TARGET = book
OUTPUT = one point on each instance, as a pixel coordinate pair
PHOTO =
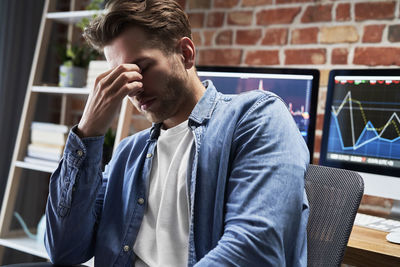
(53, 153)
(52, 127)
(96, 67)
(48, 133)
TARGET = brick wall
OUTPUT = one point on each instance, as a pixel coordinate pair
(322, 34)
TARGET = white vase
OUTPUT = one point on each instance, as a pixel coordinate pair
(71, 76)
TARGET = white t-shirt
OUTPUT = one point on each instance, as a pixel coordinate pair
(163, 237)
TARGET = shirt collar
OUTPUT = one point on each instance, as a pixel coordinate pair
(205, 107)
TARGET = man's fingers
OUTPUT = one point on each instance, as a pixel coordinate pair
(116, 72)
(102, 76)
(131, 89)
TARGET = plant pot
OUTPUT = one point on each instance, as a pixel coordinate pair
(71, 76)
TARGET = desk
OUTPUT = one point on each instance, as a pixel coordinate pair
(368, 247)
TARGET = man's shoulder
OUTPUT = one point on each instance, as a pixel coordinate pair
(255, 95)
(244, 101)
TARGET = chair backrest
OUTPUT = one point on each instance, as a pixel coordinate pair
(334, 196)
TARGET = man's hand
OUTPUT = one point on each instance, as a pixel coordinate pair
(103, 102)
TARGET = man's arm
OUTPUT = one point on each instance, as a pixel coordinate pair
(76, 194)
(266, 207)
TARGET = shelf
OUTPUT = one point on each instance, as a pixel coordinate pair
(36, 167)
(72, 16)
(30, 246)
(26, 245)
(61, 90)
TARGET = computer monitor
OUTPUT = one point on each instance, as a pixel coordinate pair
(362, 127)
(297, 87)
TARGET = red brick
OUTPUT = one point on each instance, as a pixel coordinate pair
(374, 56)
(277, 16)
(317, 13)
(197, 38)
(224, 38)
(182, 3)
(208, 37)
(339, 56)
(262, 57)
(199, 4)
(394, 33)
(277, 36)
(319, 125)
(248, 37)
(373, 33)
(305, 36)
(225, 3)
(243, 18)
(292, 1)
(374, 10)
(230, 57)
(256, 2)
(343, 12)
(215, 19)
(196, 20)
(305, 56)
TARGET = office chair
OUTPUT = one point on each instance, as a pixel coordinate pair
(334, 196)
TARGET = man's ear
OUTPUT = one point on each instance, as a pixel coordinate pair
(187, 51)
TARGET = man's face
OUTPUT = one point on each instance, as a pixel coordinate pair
(164, 76)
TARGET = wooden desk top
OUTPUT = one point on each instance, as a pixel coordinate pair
(369, 247)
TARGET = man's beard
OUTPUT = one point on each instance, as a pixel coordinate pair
(171, 97)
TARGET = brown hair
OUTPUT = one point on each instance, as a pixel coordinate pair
(164, 21)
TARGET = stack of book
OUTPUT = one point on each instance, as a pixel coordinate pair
(47, 144)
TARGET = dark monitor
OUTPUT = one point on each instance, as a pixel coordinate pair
(297, 87)
(362, 127)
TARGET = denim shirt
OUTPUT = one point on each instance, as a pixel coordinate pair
(247, 201)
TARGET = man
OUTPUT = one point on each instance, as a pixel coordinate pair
(217, 181)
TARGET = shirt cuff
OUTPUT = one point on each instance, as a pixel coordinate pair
(88, 149)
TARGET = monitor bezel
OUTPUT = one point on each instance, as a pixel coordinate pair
(294, 71)
(374, 169)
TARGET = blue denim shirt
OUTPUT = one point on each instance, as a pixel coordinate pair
(245, 181)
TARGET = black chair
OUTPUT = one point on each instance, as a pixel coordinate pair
(334, 196)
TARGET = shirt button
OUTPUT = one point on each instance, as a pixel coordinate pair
(79, 153)
(126, 248)
(149, 155)
(140, 201)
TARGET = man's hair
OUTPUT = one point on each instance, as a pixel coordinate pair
(164, 22)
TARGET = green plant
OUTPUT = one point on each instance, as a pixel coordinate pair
(94, 5)
(108, 145)
(77, 55)
(80, 55)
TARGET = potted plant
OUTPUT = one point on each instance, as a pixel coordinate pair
(75, 60)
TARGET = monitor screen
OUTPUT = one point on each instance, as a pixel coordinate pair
(297, 87)
(362, 125)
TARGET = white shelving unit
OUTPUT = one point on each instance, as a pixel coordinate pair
(13, 238)
(31, 246)
(71, 17)
(60, 90)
